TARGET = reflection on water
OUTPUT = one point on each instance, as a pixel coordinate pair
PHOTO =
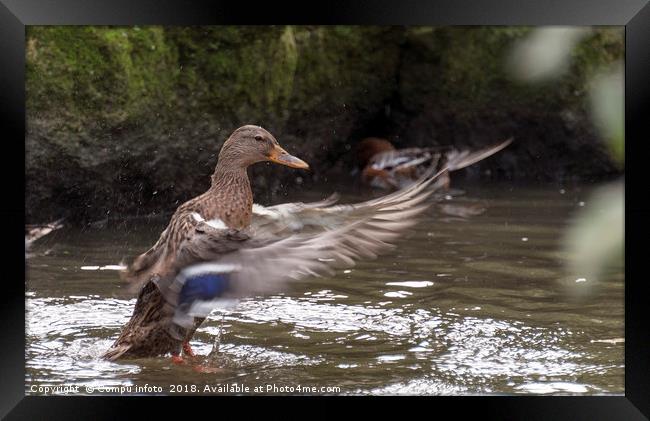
(476, 301)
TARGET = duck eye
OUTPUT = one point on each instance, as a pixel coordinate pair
(258, 137)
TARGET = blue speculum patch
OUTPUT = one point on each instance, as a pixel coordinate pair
(204, 287)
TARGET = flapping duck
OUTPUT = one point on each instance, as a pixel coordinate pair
(383, 166)
(220, 246)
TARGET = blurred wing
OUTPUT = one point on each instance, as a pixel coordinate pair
(211, 240)
(207, 241)
(34, 232)
(264, 264)
(403, 158)
(457, 160)
(186, 240)
(291, 218)
(339, 236)
(267, 269)
(302, 218)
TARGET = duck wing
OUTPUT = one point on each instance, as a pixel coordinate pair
(266, 260)
(454, 159)
(34, 232)
(401, 159)
(290, 218)
(459, 159)
(291, 242)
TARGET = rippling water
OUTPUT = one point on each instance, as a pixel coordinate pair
(471, 303)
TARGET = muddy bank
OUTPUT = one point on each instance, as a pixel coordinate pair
(129, 120)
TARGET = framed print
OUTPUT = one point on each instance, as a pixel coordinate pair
(416, 199)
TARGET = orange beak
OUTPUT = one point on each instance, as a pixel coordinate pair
(280, 156)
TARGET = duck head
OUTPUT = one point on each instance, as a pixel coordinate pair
(369, 147)
(250, 144)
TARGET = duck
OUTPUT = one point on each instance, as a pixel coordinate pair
(220, 246)
(385, 167)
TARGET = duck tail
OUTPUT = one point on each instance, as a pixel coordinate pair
(128, 274)
(140, 269)
(115, 352)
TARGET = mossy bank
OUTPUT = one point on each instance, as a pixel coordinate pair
(130, 120)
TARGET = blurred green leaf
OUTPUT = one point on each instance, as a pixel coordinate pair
(545, 53)
(596, 240)
(608, 108)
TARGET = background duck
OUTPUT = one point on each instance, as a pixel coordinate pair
(383, 166)
(220, 246)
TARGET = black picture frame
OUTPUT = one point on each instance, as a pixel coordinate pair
(633, 14)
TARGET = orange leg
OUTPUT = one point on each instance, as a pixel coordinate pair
(187, 349)
(177, 359)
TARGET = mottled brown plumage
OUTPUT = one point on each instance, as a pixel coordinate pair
(229, 200)
(221, 239)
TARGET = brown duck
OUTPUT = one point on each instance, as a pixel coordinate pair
(385, 167)
(221, 246)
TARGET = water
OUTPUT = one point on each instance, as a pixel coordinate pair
(471, 303)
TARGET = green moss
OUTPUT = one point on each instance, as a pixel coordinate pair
(240, 71)
(601, 48)
(118, 75)
(462, 67)
(355, 66)
(152, 104)
(84, 74)
(464, 70)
